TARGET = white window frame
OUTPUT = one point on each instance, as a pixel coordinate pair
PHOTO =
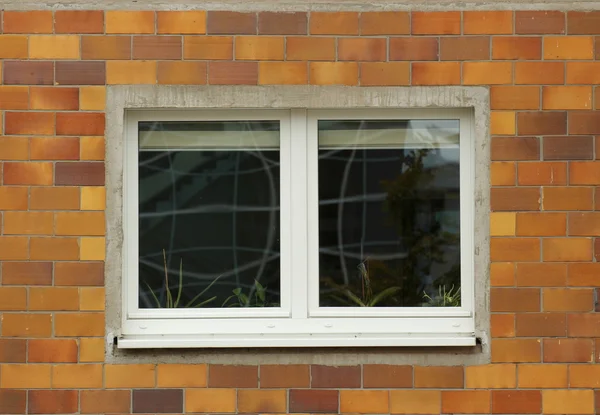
(298, 323)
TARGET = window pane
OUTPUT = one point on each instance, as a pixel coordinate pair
(389, 219)
(209, 214)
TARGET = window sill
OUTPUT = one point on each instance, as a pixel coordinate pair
(274, 340)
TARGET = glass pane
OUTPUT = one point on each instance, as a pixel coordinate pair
(209, 214)
(389, 219)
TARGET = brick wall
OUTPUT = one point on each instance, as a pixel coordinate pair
(541, 68)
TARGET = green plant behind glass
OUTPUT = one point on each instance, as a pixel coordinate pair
(444, 298)
(258, 299)
(175, 302)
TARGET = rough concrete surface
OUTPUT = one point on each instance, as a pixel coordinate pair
(300, 5)
(121, 98)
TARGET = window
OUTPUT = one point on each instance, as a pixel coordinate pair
(278, 228)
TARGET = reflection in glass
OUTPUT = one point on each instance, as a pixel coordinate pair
(389, 220)
(209, 214)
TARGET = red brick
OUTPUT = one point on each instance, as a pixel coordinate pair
(79, 274)
(79, 174)
(335, 376)
(12, 351)
(515, 199)
(28, 173)
(583, 325)
(444, 377)
(28, 73)
(568, 351)
(105, 47)
(80, 73)
(514, 300)
(517, 48)
(541, 325)
(516, 402)
(52, 351)
(539, 22)
(583, 23)
(362, 49)
(232, 376)
(225, 22)
(465, 48)
(13, 401)
(284, 376)
(436, 23)
(105, 401)
(314, 401)
(28, 21)
(387, 376)
(29, 123)
(515, 148)
(53, 401)
(384, 23)
(233, 73)
(274, 23)
(568, 148)
(414, 48)
(542, 123)
(157, 47)
(584, 122)
(79, 21)
(79, 123)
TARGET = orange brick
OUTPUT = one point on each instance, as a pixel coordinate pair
(491, 377)
(539, 73)
(514, 299)
(568, 47)
(105, 401)
(515, 97)
(14, 148)
(466, 402)
(80, 223)
(259, 48)
(541, 224)
(210, 400)
(93, 249)
(91, 349)
(333, 73)
(13, 298)
(362, 49)
(54, 148)
(378, 376)
(334, 23)
(363, 401)
(279, 73)
(583, 274)
(515, 249)
(580, 173)
(567, 198)
(541, 324)
(502, 274)
(542, 376)
(503, 174)
(581, 224)
(439, 377)
(459, 48)
(182, 73)
(511, 199)
(54, 47)
(487, 73)
(131, 72)
(567, 97)
(502, 325)
(488, 22)
(54, 98)
(92, 98)
(414, 48)
(436, 73)
(91, 299)
(384, 23)
(583, 72)
(181, 22)
(16, 376)
(28, 173)
(517, 47)
(516, 351)
(384, 73)
(79, 21)
(310, 48)
(106, 47)
(92, 148)
(28, 22)
(13, 248)
(13, 198)
(568, 351)
(53, 299)
(26, 325)
(14, 47)
(583, 325)
(13, 98)
(415, 402)
(93, 198)
(182, 376)
(29, 123)
(129, 21)
(54, 249)
(568, 299)
(542, 173)
(568, 402)
(584, 376)
(435, 23)
(503, 123)
(502, 223)
(54, 198)
(129, 376)
(78, 376)
(541, 274)
(83, 324)
(262, 401)
(52, 351)
(567, 249)
(208, 47)
(521, 402)
(28, 223)
(539, 22)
